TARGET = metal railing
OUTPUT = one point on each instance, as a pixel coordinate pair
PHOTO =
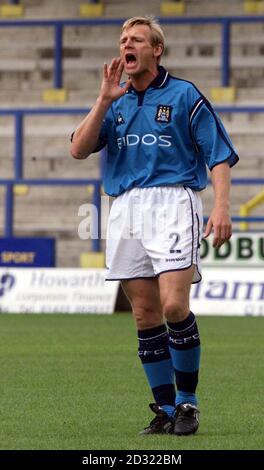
(20, 113)
(59, 26)
(9, 199)
(18, 178)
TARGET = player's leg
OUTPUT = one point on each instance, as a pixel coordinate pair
(174, 252)
(127, 260)
(153, 350)
(184, 344)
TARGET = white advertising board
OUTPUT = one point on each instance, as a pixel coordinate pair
(52, 290)
(243, 249)
(229, 291)
(223, 291)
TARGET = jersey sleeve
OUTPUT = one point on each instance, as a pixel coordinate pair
(210, 136)
(102, 139)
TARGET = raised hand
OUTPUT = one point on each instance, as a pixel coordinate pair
(110, 88)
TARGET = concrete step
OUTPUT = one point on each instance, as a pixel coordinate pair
(129, 9)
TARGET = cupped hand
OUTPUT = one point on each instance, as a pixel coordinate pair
(110, 88)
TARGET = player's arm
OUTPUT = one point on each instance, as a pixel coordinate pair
(85, 138)
(219, 219)
(219, 154)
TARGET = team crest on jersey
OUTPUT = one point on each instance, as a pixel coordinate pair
(120, 119)
(163, 113)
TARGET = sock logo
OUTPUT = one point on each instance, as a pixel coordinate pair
(156, 352)
(186, 340)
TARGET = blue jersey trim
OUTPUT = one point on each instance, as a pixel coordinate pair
(231, 160)
(198, 103)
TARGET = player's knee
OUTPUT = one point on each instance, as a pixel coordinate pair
(146, 317)
(175, 311)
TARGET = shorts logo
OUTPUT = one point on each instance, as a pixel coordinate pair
(163, 113)
(168, 260)
(120, 119)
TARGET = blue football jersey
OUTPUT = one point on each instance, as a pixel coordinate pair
(165, 135)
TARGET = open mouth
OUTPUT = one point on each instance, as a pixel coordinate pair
(130, 59)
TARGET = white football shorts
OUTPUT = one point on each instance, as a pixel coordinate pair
(153, 231)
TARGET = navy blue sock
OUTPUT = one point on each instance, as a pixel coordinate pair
(156, 360)
(184, 345)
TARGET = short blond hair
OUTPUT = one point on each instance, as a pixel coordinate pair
(156, 33)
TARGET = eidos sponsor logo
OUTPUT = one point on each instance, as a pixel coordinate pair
(130, 140)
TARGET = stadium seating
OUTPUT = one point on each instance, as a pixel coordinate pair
(193, 52)
(120, 8)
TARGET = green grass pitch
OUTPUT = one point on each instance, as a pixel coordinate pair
(75, 382)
